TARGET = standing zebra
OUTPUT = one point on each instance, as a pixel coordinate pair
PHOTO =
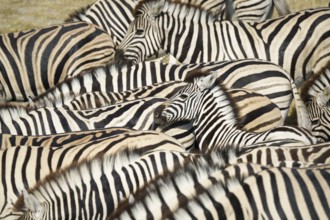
(256, 75)
(316, 95)
(35, 60)
(206, 103)
(298, 42)
(114, 16)
(23, 166)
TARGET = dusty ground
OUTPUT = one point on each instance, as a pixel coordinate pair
(18, 15)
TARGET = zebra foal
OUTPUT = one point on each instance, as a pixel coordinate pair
(206, 103)
(316, 94)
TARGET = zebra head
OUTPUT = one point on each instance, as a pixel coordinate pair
(187, 103)
(319, 114)
(32, 208)
(143, 38)
(316, 95)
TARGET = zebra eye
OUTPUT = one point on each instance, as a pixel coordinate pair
(183, 96)
(315, 122)
(139, 32)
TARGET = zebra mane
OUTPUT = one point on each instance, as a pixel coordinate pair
(172, 5)
(76, 170)
(232, 112)
(70, 88)
(78, 14)
(316, 83)
(9, 111)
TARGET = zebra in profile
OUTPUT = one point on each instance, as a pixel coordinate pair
(274, 193)
(316, 95)
(35, 60)
(298, 42)
(59, 140)
(108, 180)
(206, 103)
(23, 166)
(114, 16)
(260, 76)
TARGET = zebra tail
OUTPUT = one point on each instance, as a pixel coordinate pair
(301, 109)
(282, 7)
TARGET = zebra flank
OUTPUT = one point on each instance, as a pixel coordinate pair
(35, 60)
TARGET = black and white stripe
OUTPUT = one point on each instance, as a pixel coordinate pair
(94, 188)
(35, 60)
(298, 42)
(136, 114)
(259, 76)
(23, 166)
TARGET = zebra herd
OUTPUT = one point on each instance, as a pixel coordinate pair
(94, 125)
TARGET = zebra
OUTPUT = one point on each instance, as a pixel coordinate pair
(260, 76)
(206, 103)
(274, 193)
(298, 42)
(35, 60)
(56, 140)
(114, 16)
(113, 178)
(315, 94)
(137, 114)
(23, 166)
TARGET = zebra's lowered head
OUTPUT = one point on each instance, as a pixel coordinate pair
(316, 95)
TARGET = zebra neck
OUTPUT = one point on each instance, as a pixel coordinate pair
(216, 122)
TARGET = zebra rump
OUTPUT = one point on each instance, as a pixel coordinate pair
(35, 60)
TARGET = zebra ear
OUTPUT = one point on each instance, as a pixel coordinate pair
(156, 8)
(324, 97)
(31, 203)
(206, 82)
